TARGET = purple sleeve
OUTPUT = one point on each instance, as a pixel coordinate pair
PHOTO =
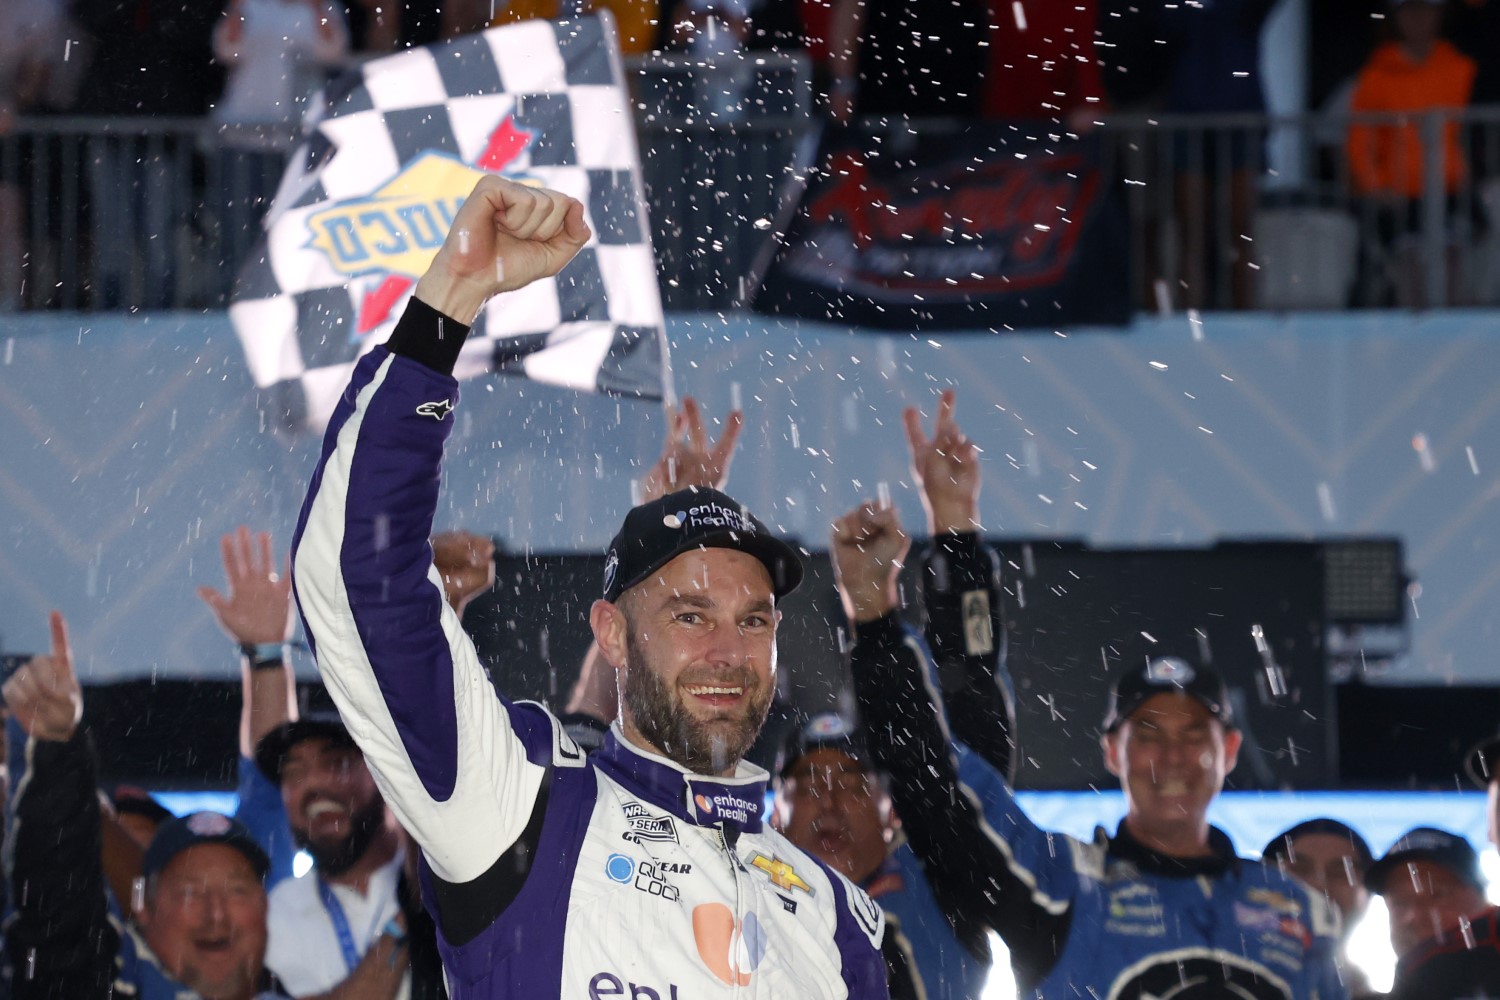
(860, 927)
(446, 751)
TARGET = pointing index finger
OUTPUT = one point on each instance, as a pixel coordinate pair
(914, 435)
(60, 647)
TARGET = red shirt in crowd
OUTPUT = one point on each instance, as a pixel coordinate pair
(1041, 62)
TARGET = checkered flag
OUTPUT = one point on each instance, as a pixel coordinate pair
(369, 197)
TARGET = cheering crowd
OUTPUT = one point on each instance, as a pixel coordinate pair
(467, 845)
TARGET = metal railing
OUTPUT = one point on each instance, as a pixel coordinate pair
(1251, 211)
(1226, 212)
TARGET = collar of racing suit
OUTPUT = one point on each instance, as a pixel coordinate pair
(1221, 858)
(701, 800)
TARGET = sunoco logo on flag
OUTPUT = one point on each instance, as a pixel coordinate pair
(368, 201)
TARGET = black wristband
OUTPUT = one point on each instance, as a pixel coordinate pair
(428, 337)
(263, 656)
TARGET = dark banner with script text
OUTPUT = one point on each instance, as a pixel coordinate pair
(953, 228)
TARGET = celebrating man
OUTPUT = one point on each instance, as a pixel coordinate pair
(643, 870)
(1162, 908)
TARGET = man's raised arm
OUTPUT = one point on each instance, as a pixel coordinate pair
(961, 592)
(461, 768)
(987, 863)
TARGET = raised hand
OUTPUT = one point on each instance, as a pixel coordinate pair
(946, 466)
(506, 235)
(466, 562)
(259, 606)
(868, 549)
(44, 695)
(687, 457)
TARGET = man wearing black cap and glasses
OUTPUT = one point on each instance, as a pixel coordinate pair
(1162, 908)
(1445, 933)
(645, 869)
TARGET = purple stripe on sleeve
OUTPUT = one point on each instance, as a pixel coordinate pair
(862, 965)
(394, 479)
(364, 373)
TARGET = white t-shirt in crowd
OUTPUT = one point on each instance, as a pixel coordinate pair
(303, 948)
(280, 57)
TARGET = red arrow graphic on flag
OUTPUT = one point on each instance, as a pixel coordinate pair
(377, 305)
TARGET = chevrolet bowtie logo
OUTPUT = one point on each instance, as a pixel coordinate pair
(781, 874)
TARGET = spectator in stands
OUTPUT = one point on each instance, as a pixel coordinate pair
(1041, 63)
(1329, 857)
(151, 58)
(1215, 70)
(637, 22)
(380, 26)
(200, 928)
(29, 31)
(714, 33)
(893, 59)
(1417, 72)
(1446, 935)
(278, 53)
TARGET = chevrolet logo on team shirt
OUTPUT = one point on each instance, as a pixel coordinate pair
(781, 874)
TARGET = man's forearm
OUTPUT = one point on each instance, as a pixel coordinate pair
(981, 869)
(269, 699)
(960, 588)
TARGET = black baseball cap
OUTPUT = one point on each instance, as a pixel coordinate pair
(1164, 674)
(202, 828)
(1426, 843)
(270, 753)
(1481, 759)
(1281, 844)
(824, 731)
(657, 532)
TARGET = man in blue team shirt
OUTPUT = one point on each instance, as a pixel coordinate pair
(1162, 907)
